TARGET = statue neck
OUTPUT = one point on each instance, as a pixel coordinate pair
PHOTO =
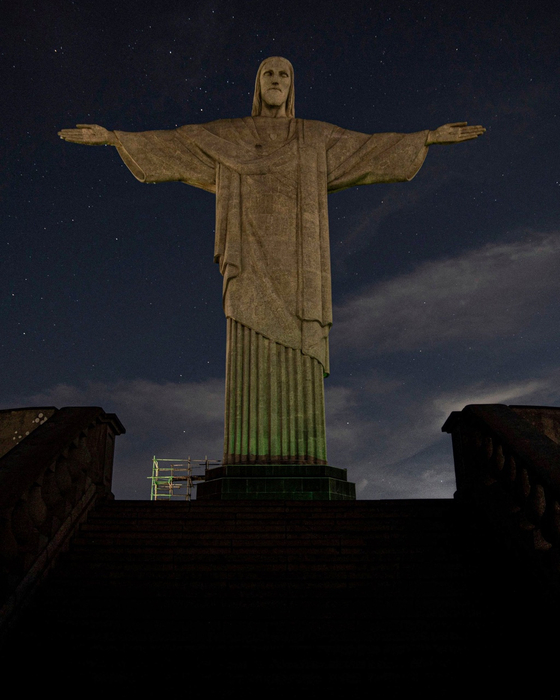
(273, 110)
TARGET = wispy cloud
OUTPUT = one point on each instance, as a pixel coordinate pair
(532, 391)
(384, 415)
(393, 446)
(364, 225)
(174, 420)
(386, 433)
(479, 295)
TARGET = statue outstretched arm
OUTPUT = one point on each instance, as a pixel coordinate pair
(153, 156)
(89, 135)
(454, 133)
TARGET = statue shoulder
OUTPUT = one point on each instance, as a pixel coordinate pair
(320, 132)
(216, 125)
(228, 129)
(319, 127)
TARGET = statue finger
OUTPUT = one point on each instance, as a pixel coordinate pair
(457, 124)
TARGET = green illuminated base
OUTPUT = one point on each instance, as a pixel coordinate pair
(287, 482)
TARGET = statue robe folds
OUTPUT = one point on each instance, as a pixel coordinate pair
(272, 246)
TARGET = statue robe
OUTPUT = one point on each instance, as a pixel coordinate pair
(271, 178)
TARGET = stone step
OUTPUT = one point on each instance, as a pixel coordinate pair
(301, 590)
(214, 564)
(317, 547)
(194, 521)
(237, 584)
(286, 509)
(243, 632)
(197, 664)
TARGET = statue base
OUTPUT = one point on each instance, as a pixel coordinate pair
(281, 482)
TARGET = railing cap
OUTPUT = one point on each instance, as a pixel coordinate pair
(23, 464)
(519, 434)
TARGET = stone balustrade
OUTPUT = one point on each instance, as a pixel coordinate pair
(53, 475)
(507, 464)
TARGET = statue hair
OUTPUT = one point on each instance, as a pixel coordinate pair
(257, 99)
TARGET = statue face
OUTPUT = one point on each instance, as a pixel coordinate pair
(275, 82)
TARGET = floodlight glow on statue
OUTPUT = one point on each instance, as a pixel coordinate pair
(271, 174)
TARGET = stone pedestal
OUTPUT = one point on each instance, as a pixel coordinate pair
(286, 482)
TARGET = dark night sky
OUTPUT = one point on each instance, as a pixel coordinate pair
(445, 288)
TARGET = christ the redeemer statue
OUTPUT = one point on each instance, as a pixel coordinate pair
(271, 174)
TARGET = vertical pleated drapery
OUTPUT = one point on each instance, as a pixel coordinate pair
(275, 411)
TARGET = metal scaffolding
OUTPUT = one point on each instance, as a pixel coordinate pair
(175, 480)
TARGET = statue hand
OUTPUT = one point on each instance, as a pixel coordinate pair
(89, 135)
(454, 133)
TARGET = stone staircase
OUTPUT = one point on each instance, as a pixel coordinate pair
(392, 595)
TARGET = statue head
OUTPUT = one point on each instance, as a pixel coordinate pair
(282, 65)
